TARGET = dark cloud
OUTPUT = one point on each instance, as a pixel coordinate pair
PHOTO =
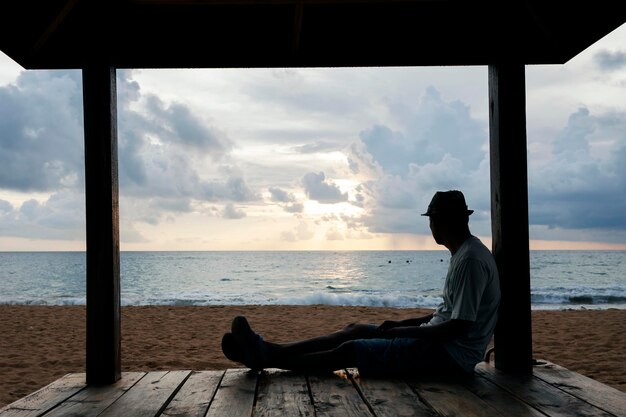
(575, 192)
(41, 146)
(584, 184)
(610, 61)
(177, 124)
(290, 205)
(318, 188)
(280, 195)
(573, 138)
(160, 146)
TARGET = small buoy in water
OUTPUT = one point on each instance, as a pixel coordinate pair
(388, 262)
(440, 260)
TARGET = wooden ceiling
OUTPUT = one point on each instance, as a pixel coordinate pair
(55, 34)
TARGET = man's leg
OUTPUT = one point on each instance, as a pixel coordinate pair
(327, 352)
(343, 356)
(325, 342)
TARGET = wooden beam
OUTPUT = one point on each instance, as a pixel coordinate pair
(54, 25)
(102, 215)
(509, 214)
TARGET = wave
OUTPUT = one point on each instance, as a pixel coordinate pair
(541, 297)
(612, 296)
(362, 300)
(339, 299)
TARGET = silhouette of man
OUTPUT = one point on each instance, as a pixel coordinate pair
(452, 339)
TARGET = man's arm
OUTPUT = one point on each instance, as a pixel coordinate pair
(447, 330)
(390, 324)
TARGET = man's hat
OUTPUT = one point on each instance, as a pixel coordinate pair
(448, 203)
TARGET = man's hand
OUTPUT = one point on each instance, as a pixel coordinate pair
(388, 324)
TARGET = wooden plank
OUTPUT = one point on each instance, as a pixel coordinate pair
(500, 399)
(335, 395)
(193, 398)
(235, 395)
(46, 398)
(585, 388)
(103, 364)
(539, 394)
(149, 396)
(282, 393)
(390, 397)
(94, 399)
(509, 214)
(452, 399)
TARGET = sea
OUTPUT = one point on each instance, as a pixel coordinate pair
(403, 279)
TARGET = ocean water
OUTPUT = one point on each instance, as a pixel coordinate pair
(559, 279)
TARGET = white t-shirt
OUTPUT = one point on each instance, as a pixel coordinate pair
(471, 292)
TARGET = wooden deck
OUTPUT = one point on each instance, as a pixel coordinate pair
(551, 391)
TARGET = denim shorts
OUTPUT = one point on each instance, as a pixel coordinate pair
(403, 357)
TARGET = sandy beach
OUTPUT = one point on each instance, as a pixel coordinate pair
(41, 344)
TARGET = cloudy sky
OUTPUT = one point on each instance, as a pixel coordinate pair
(313, 158)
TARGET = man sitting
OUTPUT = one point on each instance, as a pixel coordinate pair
(452, 339)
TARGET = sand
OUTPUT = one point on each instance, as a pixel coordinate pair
(41, 344)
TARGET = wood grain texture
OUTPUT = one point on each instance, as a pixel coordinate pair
(149, 396)
(282, 393)
(235, 395)
(93, 400)
(587, 389)
(336, 396)
(540, 395)
(46, 398)
(193, 398)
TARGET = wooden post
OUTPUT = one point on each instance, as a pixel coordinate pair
(509, 215)
(102, 214)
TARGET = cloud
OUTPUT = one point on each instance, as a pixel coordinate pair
(281, 196)
(318, 188)
(160, 146)
(583, 185)
(231, 213)
(163, 149)
(316, 147)
(431, 128)
(437, 145)
(5, 206)
(61, 216)
(294, 208)
(177, 124)
(610, 61)
(301, 232)
(290, 205)
(41, 147)
(300, 92)
(334, 234)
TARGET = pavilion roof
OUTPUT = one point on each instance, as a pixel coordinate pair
(55, 34)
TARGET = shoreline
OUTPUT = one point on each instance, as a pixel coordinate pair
(43, 343)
